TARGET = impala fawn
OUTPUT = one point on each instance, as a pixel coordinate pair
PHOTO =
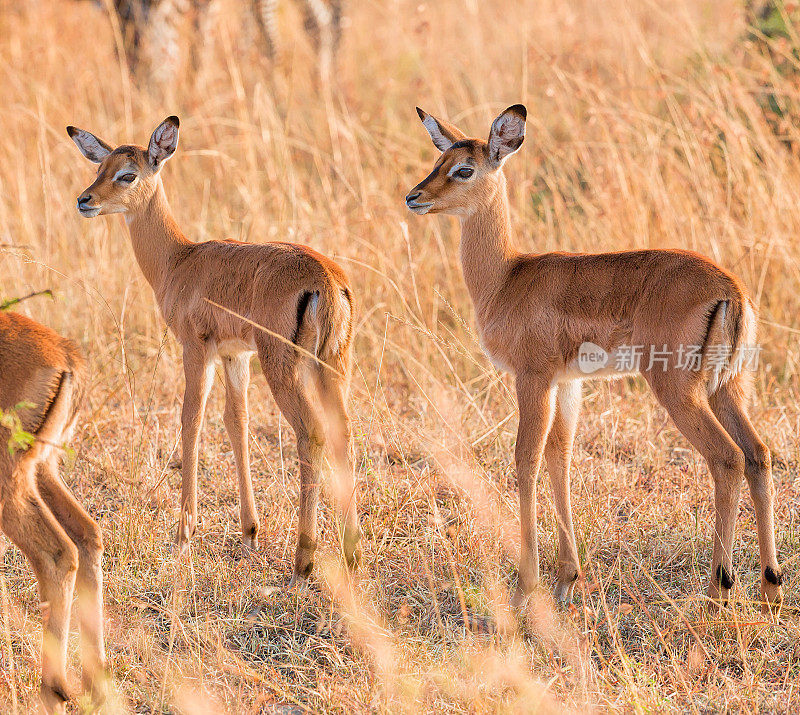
(537, 313)
(212, 295)
(42, 380)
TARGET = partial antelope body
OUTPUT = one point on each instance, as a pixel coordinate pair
(301, 297)
(155, 27)
(536, 313)
(37, 511)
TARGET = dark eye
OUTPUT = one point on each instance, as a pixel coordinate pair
(464, 172)
(127, 178)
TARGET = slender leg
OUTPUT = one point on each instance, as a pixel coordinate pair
(28, 522)
(535, 417)
(281, 370)
(85, 534)
(264, 11)
(237, 378)
(131, 21)
(199, 372)
(333, 393)
(729, 405)
(558, 454)
(337, 11)
(319, 26)
(163, 46)
(204, 16)
(692, 414)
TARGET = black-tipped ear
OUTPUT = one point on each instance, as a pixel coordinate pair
(518, 109)
(163, 142)
(91, 147)
(507, 134)
(443, 134)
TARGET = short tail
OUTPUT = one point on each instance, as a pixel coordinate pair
(731, 333)
(334, 313)
(53, 423)
(58, 413)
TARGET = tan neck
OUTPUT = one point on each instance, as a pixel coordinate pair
(486, 249)
(155, 236)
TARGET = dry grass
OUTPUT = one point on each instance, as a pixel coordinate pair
(645, 130)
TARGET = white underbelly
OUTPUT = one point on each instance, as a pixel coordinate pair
(233, 347)
(594, 362)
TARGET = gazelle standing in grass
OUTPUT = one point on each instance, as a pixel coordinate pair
(42, 381)
(302, 298)
(537, 313)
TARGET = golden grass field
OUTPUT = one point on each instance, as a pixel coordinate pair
(646, 128)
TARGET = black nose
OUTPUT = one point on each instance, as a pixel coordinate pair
(413, 196)
(84, 198)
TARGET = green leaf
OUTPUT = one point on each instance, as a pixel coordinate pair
(19, 438)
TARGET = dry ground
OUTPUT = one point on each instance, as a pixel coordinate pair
(646, 128)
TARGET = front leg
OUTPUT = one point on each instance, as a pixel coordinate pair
(535, 417)
(558, 455)
(237, 377)
(198, 368)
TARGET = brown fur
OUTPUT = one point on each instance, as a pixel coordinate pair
(37, 512)
(265, 284)
(535, 311)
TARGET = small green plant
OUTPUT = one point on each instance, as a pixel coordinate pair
(19, 438)
(773, 18)
(11, 302)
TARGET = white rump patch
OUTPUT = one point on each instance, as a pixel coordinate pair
(340, 334)
(737, 361)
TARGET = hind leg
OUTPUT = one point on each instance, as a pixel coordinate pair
(280, 365)
(333, 394)
(730, 406)
(28, 522)
(85, 534)
(688, 406)
(264, 11)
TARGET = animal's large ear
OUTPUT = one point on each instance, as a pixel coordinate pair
(507, 134)
(91, 147)
(444, 135)
(163, 143)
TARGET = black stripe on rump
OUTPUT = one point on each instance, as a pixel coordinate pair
(302, 305)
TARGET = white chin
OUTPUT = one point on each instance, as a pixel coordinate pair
(420, 210)
(89, 213)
